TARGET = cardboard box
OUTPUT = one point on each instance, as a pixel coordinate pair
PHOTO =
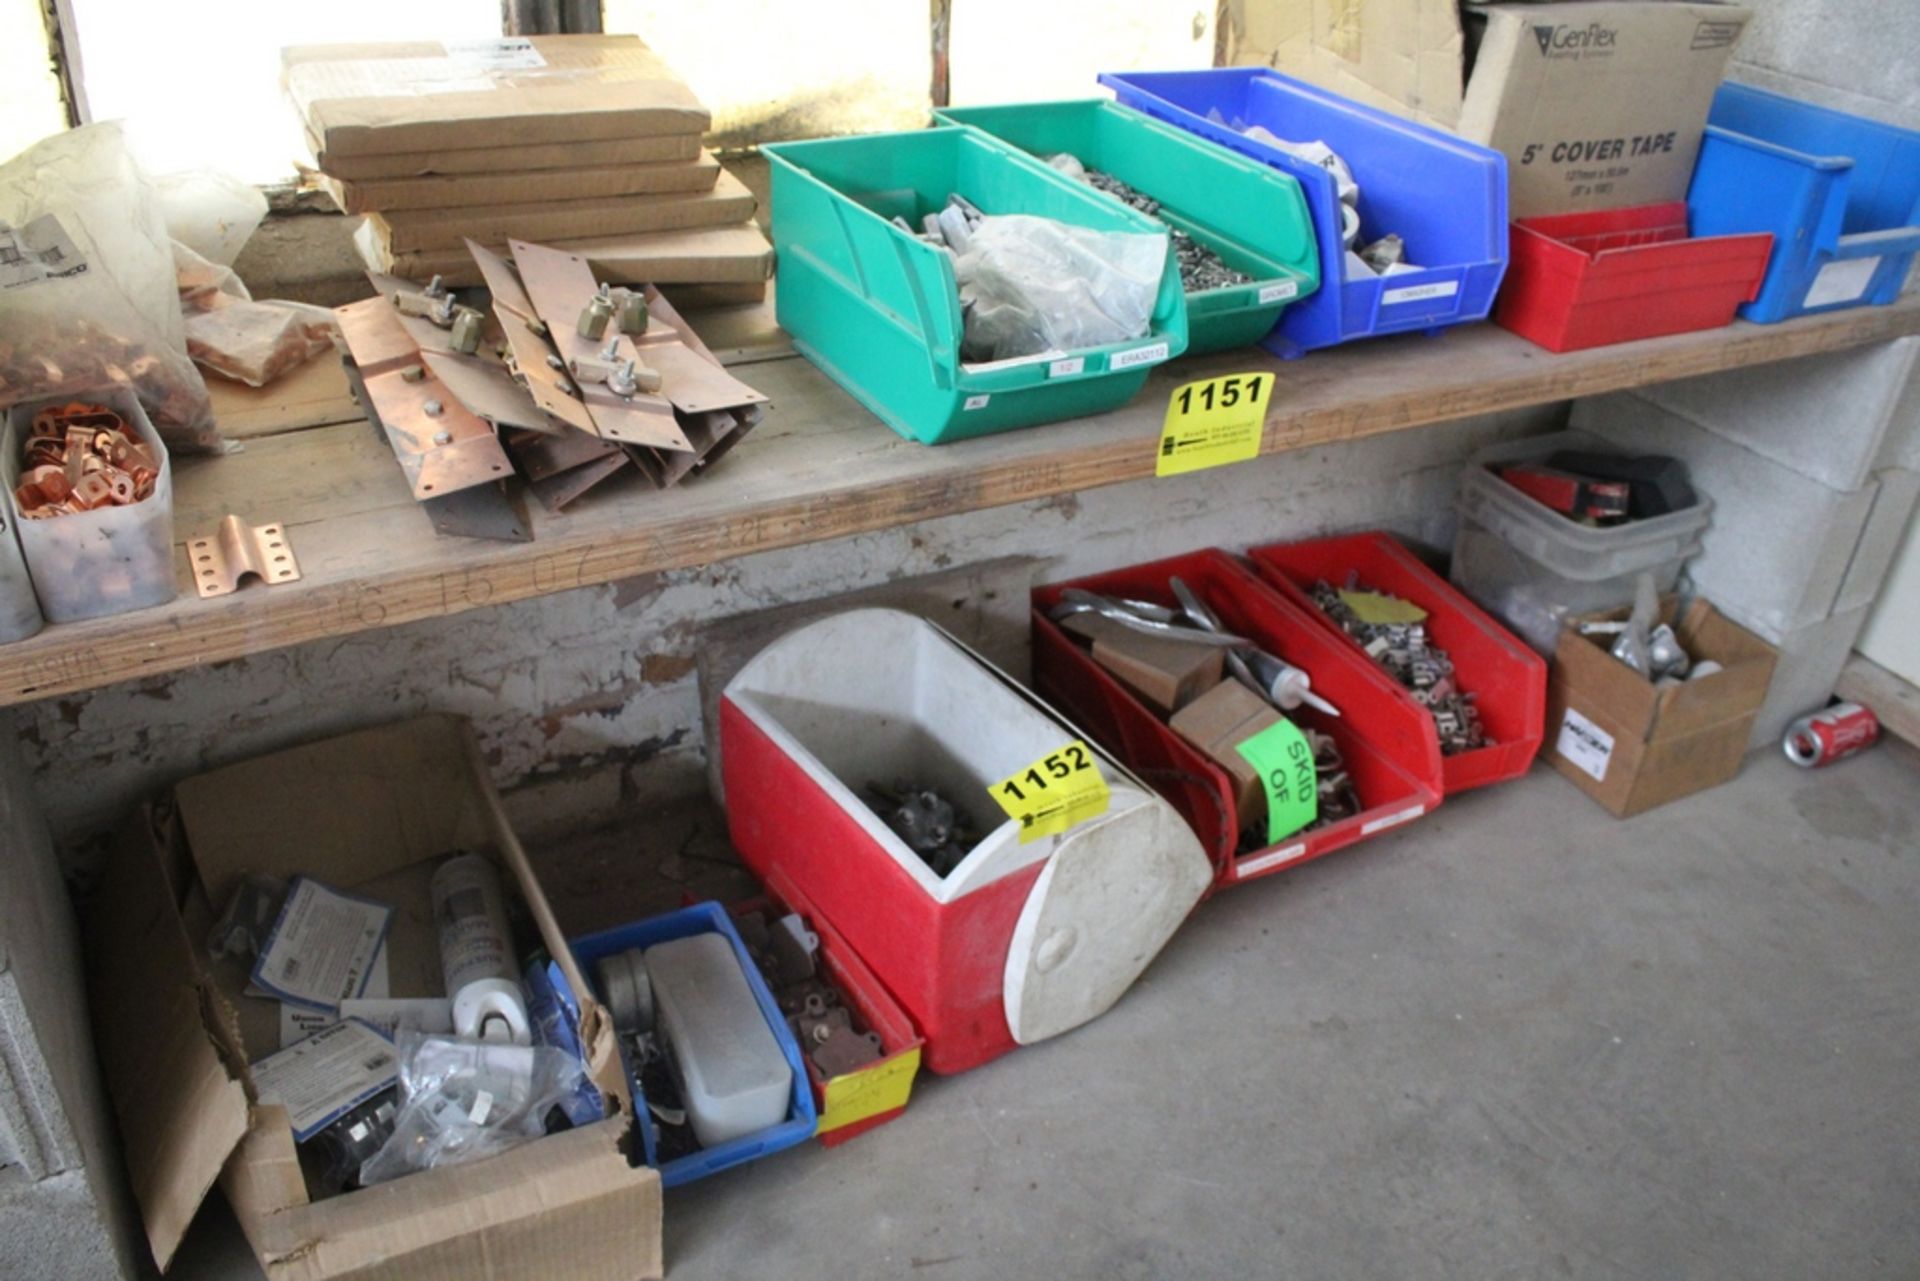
(709, 255)
(382, 99)
(1597, 105)
(1166, 674)
(1217, 721)
(535, 156)
(1397, 55)
(460, 191)
(1631, 745)
(408, 231)
(375, 810)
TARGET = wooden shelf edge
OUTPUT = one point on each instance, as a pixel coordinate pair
(1368, 389)
(1893, 700)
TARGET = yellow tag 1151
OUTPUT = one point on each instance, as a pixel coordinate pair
(1213, 422)
(1055, 792)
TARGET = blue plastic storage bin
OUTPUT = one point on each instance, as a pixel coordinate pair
(1446, 198)
(1840, 194)
(704, 918)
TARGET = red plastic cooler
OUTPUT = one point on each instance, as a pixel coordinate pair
(1022, 940)
(1384, 736)
(1508, 679)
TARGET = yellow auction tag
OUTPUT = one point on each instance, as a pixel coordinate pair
(881, 1087)
(1213, 422)
(1055, 792)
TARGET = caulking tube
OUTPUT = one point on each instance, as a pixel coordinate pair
(476, 952)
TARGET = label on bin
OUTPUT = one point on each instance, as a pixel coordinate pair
(1841, 281)
(1055, 792)
(1138, 356)
(1212, 423)
(1279, 293)
(1419, 293)
(880, 1087)
(1589, 747)
(1283, 758)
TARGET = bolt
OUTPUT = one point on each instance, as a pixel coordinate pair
(412, 374)
(433, 409)
(443, 438)
(555, 362)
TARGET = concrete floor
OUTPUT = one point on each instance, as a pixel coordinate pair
(1517, 1039)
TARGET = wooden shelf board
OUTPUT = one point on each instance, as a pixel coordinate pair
(820, 467)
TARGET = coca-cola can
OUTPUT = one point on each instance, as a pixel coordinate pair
(1829, 734)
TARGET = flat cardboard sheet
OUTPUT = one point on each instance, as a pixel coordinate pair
(707, 255)
(1597, 104)
(383, 99)
(401, 231)
(537, 156)
(459, 191)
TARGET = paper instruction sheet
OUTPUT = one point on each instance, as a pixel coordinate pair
(327, 1075)
(322, 946)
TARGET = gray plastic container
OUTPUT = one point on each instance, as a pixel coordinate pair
(1531, 567)
(733, 1077)
(106, 561)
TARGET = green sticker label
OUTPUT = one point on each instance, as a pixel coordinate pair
(1284, 759)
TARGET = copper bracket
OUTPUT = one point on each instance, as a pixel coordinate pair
(221, 559)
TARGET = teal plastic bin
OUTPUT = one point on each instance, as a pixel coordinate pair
(1252, 215)
(878, 310)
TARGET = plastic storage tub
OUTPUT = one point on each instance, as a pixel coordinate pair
(877, 309)
(1531, 567)
(107, 561)
(854, 1102)
(1589, 279)
(1385, 738)
(1841, 195)
(707, 918)
(1022, 940)
(1447, 198)
(1508, 680)
(1253, 216)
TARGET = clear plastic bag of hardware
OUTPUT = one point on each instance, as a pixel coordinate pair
(230, 334)
(1030, 285)
(87, 292)
(463, 1100)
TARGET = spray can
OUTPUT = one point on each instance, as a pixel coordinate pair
(476, 952)
(1828, 735)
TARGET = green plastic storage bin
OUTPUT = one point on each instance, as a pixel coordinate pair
(878, 310)
(1252, 215)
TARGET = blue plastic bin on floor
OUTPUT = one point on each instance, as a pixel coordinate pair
(1447, 199)
(706, 918)
(1840, 194)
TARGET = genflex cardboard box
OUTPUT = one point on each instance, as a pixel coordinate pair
(1597, 105)
(1632, 745)
(373, 812)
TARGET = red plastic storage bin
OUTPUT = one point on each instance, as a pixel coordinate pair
(850, 1105)
(1508, 679)
(1384, 736)
(1589, 279)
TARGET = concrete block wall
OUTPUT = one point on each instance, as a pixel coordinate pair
(587, 701)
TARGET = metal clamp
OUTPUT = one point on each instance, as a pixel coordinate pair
(226, 556)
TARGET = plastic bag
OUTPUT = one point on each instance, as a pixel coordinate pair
(1031, 285)
(238, 338)
(464, 1100)
(212, 213)
(87, 295)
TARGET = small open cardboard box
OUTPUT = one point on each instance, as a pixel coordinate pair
(373, 811)
(1632, 745)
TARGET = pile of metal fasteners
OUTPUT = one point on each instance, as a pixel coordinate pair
(1411, 658)
(78, 457)
(927, 822)
(830, 1034)
(1200, 267)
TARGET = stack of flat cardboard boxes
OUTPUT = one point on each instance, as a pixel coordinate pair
(586, 142)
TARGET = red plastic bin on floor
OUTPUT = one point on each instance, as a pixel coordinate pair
(1508, 679)
(1590, 279)
(1385, 737)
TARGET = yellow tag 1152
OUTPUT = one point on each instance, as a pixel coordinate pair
(1213, 422)
(1055, 792)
